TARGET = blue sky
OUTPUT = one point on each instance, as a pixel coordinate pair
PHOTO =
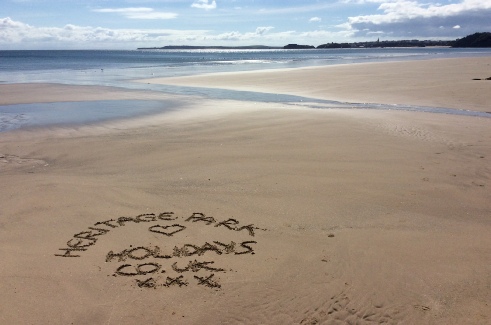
(127, 24)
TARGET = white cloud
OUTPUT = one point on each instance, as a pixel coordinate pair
(321, 36)
(230, 36)
(315, 20)
(398, 10)
(456, 27)
(285, 9)
(6, 23)
(14, 33)
(415, 18)
(138, 13)
(263, 30)
(204, 4)
(18, 35)
(259, 34)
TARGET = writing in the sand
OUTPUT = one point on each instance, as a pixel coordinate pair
(83, 240)
(146, 264)
(135, 266)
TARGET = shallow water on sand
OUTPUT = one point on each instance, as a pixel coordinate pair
(77, 113)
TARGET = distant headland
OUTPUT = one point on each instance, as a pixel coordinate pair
(191, 47)
(474, 40)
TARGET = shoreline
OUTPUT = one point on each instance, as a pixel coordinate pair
(447, 82)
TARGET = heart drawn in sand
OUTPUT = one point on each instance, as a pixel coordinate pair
(167, 230)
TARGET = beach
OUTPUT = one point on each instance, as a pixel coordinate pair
(445, 83)
(244, 212)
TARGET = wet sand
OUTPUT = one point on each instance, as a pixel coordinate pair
(445, 83)
(229, 212)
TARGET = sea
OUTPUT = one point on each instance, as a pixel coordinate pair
(118, 68)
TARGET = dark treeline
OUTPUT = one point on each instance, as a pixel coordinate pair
(474, 40)
(399, 43)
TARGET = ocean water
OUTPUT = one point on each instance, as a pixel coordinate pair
(84, 67)
(119, 68)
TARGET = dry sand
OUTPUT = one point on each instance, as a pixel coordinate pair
(353, 217)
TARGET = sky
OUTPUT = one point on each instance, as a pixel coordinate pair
(128, 24)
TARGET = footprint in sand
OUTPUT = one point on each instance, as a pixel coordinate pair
(13, 161)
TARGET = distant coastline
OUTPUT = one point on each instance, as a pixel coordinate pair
(376, 44)
(248, 47)
(190, 47)
(474, 40)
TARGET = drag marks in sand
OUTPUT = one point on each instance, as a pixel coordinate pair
(327, 302)
(340, 308)
(151, 266)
